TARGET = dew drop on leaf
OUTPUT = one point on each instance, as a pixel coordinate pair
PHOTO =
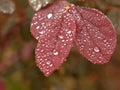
(96, 49)
(49, 15)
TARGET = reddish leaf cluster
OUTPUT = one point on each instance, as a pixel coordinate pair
(61, 24)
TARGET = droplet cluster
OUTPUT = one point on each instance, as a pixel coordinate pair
(56, 29)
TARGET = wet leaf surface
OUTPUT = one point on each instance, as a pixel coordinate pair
(55, 27)
(93, 37)
(21, 73)
(53, 37)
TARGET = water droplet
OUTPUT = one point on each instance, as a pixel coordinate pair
(92, 55)
(104, 40)
(99, 37)
(37, 37)
(32, 24)
(37, 27)
(43, 23)
(48, 62)
(90, 49)
(35, 23)
(65, 44)
(71, 39)
(47, 73)
(51, 65)
(42, 50)
(55, 53)
(82, 46)
(37, 49)
(67, 40)
(85, 40)
(101, 57)
(38, 56)
(96, 49)
(61, 37)
(49, 15)
(63, 40)
(41, 32)
(69, 32)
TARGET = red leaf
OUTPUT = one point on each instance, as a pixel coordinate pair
(55, 27)
(52, 50)
(95, 37)
(55, 36)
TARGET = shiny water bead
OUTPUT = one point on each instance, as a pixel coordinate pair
(96, 49)
(49, 15)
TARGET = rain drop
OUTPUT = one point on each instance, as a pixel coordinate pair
(104, 40)
(61, 37)
(55, 53)
(49, 15)
(84, 40)
(37, 37)
(41, 32)
(48, 62)
(43, 24)
(37, 49)
(96, 49)
(38, 56)
(47, 73)
(71, 39)
(63, 40)
(69, 32)
(41, 50)
(32, 24)
(37, 27)
(51, 65)
(35, 23)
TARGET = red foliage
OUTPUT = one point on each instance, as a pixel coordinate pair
(58, 25)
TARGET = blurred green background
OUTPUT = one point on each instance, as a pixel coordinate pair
(18, 70)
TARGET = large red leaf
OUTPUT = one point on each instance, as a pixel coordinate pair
(95, 36)
(52, 50)
(55, 31)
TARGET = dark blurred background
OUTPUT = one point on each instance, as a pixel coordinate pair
(18, 70)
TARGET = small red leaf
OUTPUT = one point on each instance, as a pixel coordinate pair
(95, 37)
(55, 31)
